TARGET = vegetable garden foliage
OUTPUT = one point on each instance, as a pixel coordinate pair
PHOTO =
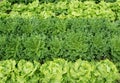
(64, 9)
(42, 30)
(32, 38)
(54, 1)
(57, 71)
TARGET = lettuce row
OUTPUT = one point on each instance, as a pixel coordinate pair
(63, 9)
(57, 71)
(53, 1)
